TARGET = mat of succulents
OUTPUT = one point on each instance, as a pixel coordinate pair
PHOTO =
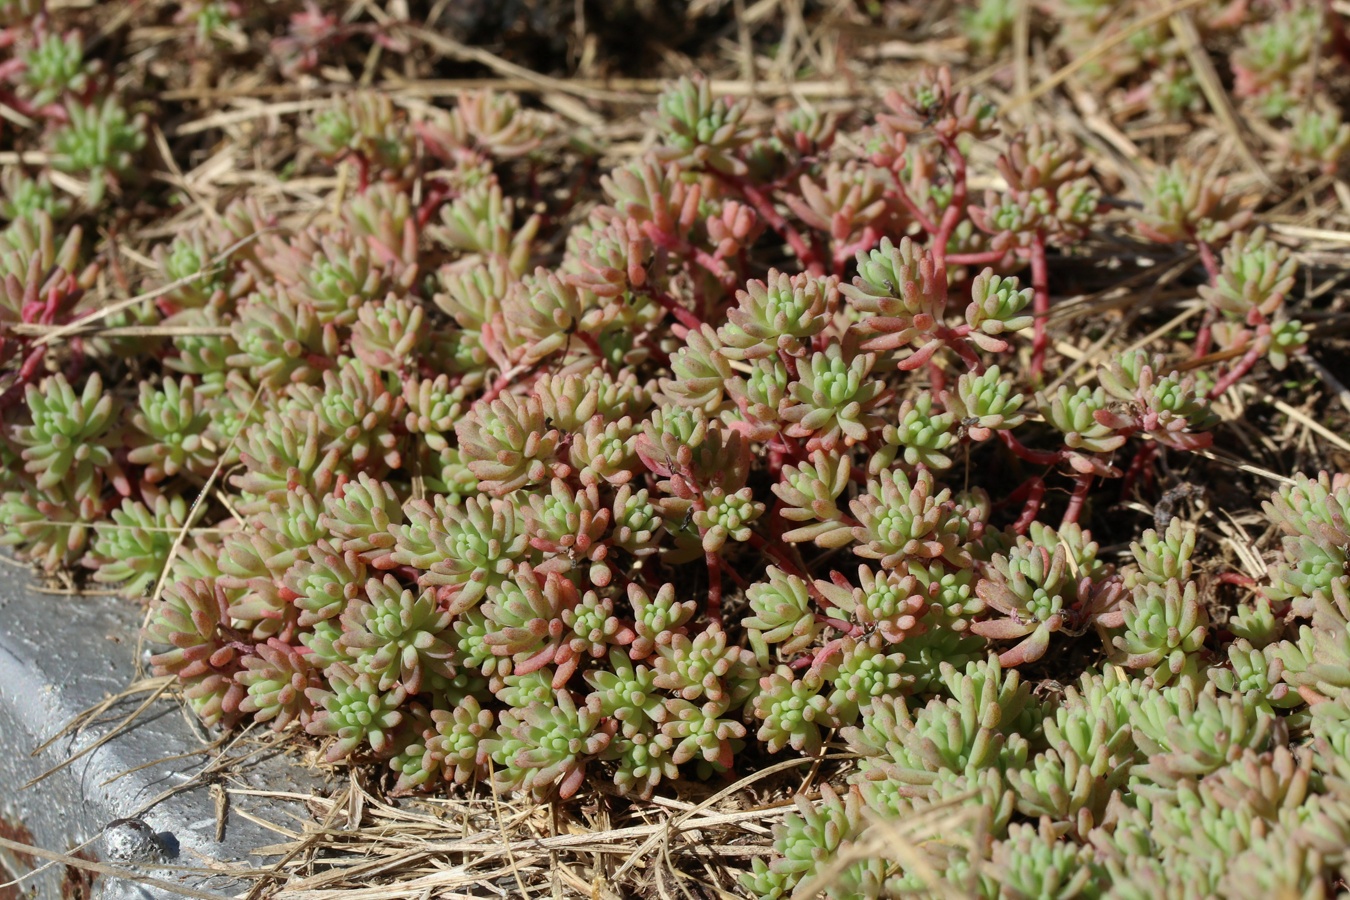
(900, 450)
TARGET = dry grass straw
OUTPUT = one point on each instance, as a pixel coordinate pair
(487, 844)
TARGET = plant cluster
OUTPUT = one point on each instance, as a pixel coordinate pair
(1147, 61)
(762, 450)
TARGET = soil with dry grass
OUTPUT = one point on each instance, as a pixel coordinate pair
(223, 125)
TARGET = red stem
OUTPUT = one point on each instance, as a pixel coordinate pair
(32, 362)
(951, 216)
(436, 195)
(714, 587)
(714, 266)
(647, 340)
(685, 317)
(842, 255)
(1211, 264)
(362, 172)
(1035, 494)
(502, 383)
(901, 194)
(988, 257)
(787, 565)
(1243, 366)
(848, 628)
(936, 377)
(1025, 453)
(1203, 337)
(784, 561)
(1077, 500)
(735, 576)
(955, 339)
(1137, 467)
(764, 206)
(594, 346)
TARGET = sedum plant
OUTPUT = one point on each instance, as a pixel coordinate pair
(767, 448)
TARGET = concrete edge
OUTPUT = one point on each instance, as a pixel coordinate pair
(60, 655)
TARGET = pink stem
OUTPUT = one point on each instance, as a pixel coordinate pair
(823, 655)
(843, 254)
(686, 318)
(955, 338)
(362, 172)
(502, 383)
(848, 628)
(986, 258)
(936, 377)
(713, 266)
(1035, 494)
(735, 576)
(1211, 264)
(1203, 337)
(764, 206)
(1077, 499)
(784, 561)
(1243, 366)
(901, 194)
(951, 216)
(787, 565)
(1137, 467)
(437, 195)
(1025, 453)
(29, 367)
(594, 346)
(714, 587)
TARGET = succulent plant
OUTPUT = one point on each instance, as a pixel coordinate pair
(53, 67)
(355, 711)
(188, 618)
(781, 313)
(362, 124)
(807, 841)
(782, 614)
(100, 143)
(699, 130)
(490, 122)
(553, 742)
(1185, 207)
(995, 308)
(1164, 625)
(68, 440)
(25, 197)
(277, 677)
(211, 20)
(395, 636)
(172, 425)
(900, 518)
(1271, 65)
(525, 475)
(793, 710)
(133, 549)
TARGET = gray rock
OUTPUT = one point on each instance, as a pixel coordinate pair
(132, 842)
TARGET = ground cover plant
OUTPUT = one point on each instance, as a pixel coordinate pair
(916, 438)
